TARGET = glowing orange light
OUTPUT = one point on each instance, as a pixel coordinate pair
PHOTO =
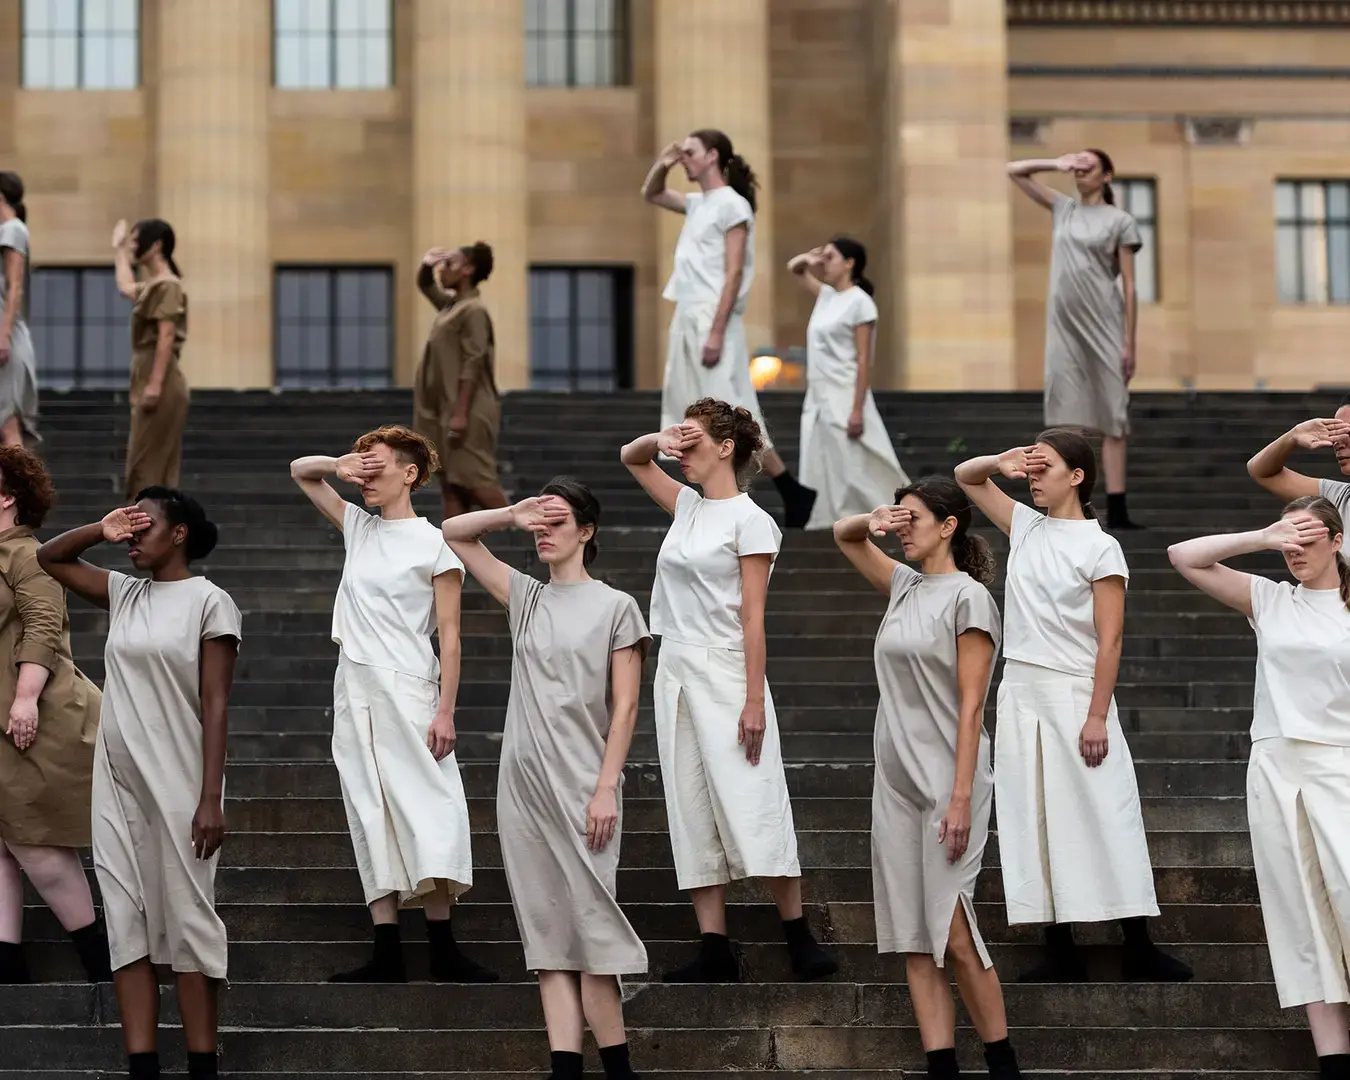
(764, 370)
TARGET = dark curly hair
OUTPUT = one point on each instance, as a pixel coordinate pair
(479, 255)
(724, 421)
(944, 497)
(25, 479)
(409, 447)
(181, 509)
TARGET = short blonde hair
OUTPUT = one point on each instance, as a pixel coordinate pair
(409, 447)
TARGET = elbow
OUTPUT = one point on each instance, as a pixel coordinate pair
(297, 473)
(1176, 555)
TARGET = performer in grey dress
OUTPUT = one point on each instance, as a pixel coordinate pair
(18, 376)
(933, 786)
(576, 667)
(1092, 310)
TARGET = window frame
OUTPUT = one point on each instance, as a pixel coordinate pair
(138, 64)
(620, 37)
(1324, 226)
(332, 272)
(624, 277)
(78, 272)
(332, 36)
(1122, 184)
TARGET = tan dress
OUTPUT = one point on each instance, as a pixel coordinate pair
(461, 347)
(155, 445)
(44, 790)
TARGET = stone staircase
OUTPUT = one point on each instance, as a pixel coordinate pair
(287, 885)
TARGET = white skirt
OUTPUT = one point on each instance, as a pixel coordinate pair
(1070, 839)
(850, 476)
(1298, 809)
(687, 380)
(407, 812)
(728, 819)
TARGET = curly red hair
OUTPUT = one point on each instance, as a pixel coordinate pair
(25, 479)
(409, 447)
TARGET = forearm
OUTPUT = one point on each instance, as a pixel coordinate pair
(428, 286)
(755, 656)
(1032, 166)
(1271, 460)
(622, 723)
(70, 545)
(215, 727)
(1131, 318)
(967, 749)
(727, 304)
(860, 383)
(13, 300)
(1104, 675)
(32, 681)
(656, 180)
(315, 467)
(465, 399)
(977, 470)
(123, 273)
(1205, 551)
(641, 450)
(800, 264)
(451, 656)
(467, 528)
(853, 530)
(163, 354)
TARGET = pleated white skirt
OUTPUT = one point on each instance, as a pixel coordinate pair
(686, 379)
(850, 476)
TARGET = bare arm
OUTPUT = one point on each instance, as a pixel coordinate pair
(806, 269)
(974, 660)
(123, 272)
(754, 596)
(1267, 468)
(1108, 617)
(638, 456)
(863, 336)
(14, 265)
(654, 188)
(60, 557)
(1127, 285)
(311, 474)
(625, 681)
(1021, 173)
(974, 476)
(853, 537)
(218, 659)
(1200, 561)
(448, 588)
(464, 535)
(737, 237)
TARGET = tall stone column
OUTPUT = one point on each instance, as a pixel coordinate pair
(712, 71)
(469, 167)
(951, 267)
(212, 180)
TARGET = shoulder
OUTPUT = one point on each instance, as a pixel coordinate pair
(1026, 518)
(162, 295)
(733, 208)
(692, 201)
(862, 306)
(14, 234)
(687, 500)
(976, 603)
(1335, 491)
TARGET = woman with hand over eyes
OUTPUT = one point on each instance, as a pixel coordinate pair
(394, 701)
(159, 763)
(717, 735)
(933, 785)
(577, 648)
(1070, 824)
(1298, 794)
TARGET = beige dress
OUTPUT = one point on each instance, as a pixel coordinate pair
(18, 378)
(1085, 318)
(155, 444)
(915, 888)
(159, 898)
(557, 720)
(44, 790)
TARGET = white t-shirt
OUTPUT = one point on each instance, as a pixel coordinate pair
(700, 270)
(696, 598)
(1047, 606)
(1338, 492)
(1302, 663)
(385, 610)
(831, 347)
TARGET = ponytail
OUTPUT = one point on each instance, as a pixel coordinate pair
(21, 212)
(742, 179)
(972, 555)
(853, 249)
(1108, 195)
(173, 266)
(1343, 568)
(865, 284)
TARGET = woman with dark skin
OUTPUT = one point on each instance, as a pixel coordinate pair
(159, 766)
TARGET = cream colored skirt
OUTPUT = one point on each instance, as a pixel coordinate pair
(687, 380)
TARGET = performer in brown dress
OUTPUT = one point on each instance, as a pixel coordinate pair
(47, 754)
(455, 400)
(159, 393)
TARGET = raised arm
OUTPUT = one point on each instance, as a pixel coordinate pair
(41, 604)
(654, 188)
(60, 556)
(1268, 468)
(208, 823)
(464, 534)
(639, 456)
(806, 269)
(311, 474)
(625, 682)
(853, 537)
(974, 660)
(1200, 561)
(123, 272)
(427, 284)
(448, 588)
(975, 475)
(1021, 173)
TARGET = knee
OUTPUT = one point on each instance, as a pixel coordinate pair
(961, 949)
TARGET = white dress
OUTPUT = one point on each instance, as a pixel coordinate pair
(407, 813)
(850, 476)
(695, 286)
(1071, 838)
(1298, 787)
(728, 819)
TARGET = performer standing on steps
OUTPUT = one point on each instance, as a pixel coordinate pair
(845, 454)
(455, 402)
(714, 268)
(1070, 824)
(1298, 795)
(576, 669)
(159, 392)
(47, 759)
(1268, 468)
(18, 372)
(159, 764)
(721, 761)
(1091, 321)
(393, 728)
(933, 786)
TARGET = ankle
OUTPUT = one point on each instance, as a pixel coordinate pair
(1001, 1059)
(616, 1063)
(203, 1066)
(1334, 1066)
(143, 1066)
(567, 1065)
(942, 1064)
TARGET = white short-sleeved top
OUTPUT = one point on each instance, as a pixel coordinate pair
(1302, 663)
(700, 271)
(831, 347)
(385, 611)
(1047, 607)
(1337, 492)
(696, 598)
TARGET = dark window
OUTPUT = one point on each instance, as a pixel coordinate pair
(1312, 241)
(576, 43)
(80, 326)
(332, 44)
(334, 326)
(1139, 199)
(581, 327)
(81, 44)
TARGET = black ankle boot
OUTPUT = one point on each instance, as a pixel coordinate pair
(798, 500)
(203, 1066)
(809, 959)
(615, 1060)
(1117, 515)
(1062, 963)
(715, 963)
(1142, 961)
(1001, 1060)
(91, 942)
(1334, 1067)
(447, 963)
(13, 967)
(143, 1066)
(566, 1065)
(942, 1064)
(386, 963)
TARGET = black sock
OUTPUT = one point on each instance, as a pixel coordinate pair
(797, 930)
(1059, 938)
(942, 1064)
(615, 1060)
(143, 1066)
(786, 483)
(440, 935)
(1000, 1058)
(1335, 1067)
(388, 942)
(566, 1065)
(91, 942)
(13, 968)
(1135, 931)
(1116, 511)
(202, 1066)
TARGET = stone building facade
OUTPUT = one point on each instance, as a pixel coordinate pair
(308, 151)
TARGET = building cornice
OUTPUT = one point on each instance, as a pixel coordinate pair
(1237, 13)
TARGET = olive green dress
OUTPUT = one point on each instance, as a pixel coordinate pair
(155, 445)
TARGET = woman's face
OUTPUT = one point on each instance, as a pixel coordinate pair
(1312, 560)
(1093, 178)
(836, 269)
(158, 545)
(925, 534)
(560, 543)
(1053, 485)
(394, 478)
(455, 271)
(697, 159)
(706, 457)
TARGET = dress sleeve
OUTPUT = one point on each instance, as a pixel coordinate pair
(863, 309)
(117, 593)
(446, 560)
(1264, 592)
(685, 501)
(164, 301)
(354, 522)
(692, 200)
(1110, 561)
(757, 534)
(733, 212)
(1061, 209)
(901, 577)
(521, 599)
(475, 340)
(220, 617)
(1336, 492)
(976, 610)
(41, 603)
(630, 630)
(14, 236)
(1024, 519)
(1129, 237)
